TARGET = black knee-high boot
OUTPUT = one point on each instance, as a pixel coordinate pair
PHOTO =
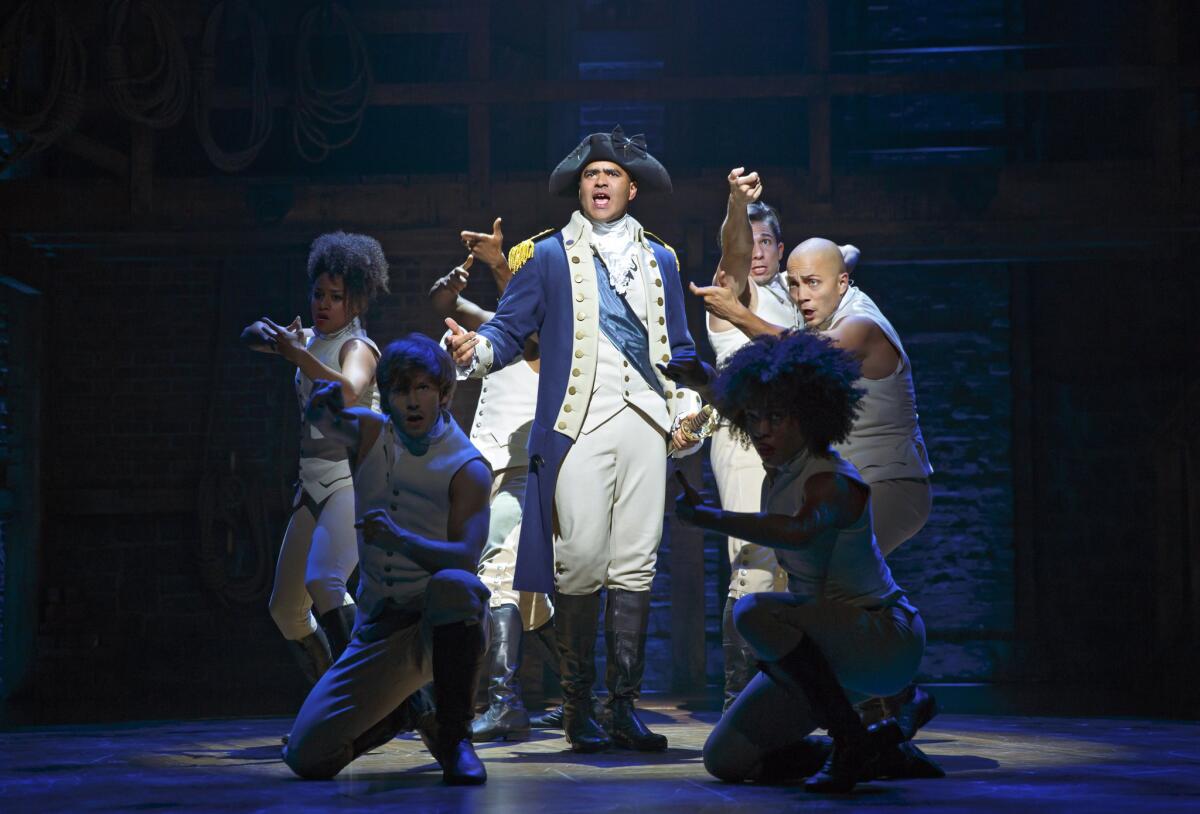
(625, 622)
(338, 624)
(740, 662)
(856, 748)
(575, 620)
(506, 718)
(312, 655)
(457, 654)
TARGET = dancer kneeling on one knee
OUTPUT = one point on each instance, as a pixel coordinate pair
(421, 495)
(844, 630)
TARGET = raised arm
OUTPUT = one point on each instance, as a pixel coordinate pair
(831, 501)
(448, 301)
(466, 529)
(489, 249)
(737, 239)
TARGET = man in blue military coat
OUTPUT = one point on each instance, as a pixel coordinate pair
(605, 297)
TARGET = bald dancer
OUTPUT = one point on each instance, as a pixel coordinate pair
(885, 444)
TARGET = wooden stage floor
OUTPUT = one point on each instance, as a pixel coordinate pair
(993, 763)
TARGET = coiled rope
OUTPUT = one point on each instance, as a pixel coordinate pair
(321, 112)
(37, 110)
(261, 115)
(159, 97)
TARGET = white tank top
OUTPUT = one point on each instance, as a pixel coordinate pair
(841, 565)
(507, 401)
(324, 465)
(415, 491)
(772, 305)
(886, 441)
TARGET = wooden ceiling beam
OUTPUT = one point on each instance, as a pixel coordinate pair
(667, 89)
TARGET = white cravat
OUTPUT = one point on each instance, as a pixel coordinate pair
(615, 243)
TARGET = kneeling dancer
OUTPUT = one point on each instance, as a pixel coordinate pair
(421, 493)
(844, 631)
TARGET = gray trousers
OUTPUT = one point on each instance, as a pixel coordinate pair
(873, 652)
(387, 660)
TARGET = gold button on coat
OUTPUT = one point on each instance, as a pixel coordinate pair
(574, 259)
(578, 354)
(653, 264)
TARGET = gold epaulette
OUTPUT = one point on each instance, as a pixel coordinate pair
(665, 245)
(521, 253)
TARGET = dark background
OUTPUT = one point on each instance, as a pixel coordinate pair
(1020, 176)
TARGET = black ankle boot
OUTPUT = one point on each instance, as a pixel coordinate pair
(506, 718)
(575, 620)
(457, 652)
(312, 655)
(625, 623)
(805, 672)
(338, 625)
(740, 661)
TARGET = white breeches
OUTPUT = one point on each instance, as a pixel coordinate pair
(317, 557)
(609, 505)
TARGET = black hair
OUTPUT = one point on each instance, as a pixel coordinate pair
(357, 259)
(800, 372)
(415, 353)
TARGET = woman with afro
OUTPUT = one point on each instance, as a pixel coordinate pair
(345, 273)
(844, 630)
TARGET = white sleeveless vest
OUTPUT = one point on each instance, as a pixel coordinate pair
(886, 441)
(324, 465)
(415, 492)
(841, 565)
(772, 304)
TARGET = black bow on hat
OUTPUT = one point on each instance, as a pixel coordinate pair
(629, 153)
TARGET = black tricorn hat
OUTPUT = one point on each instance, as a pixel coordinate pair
(629, 153)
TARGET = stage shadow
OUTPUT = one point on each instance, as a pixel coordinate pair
(965, 763)
(268, 752)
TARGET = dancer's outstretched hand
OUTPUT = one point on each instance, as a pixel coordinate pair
(688, 501)
(460, 343)
(720, 300)
(326, 396)
(488, 248)
(688, 370)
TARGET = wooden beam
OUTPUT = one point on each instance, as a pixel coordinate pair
(666, 89)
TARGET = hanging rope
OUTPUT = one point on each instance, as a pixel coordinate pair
(326, 119)
(38, 109)
(260, 92)
(159, 97)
